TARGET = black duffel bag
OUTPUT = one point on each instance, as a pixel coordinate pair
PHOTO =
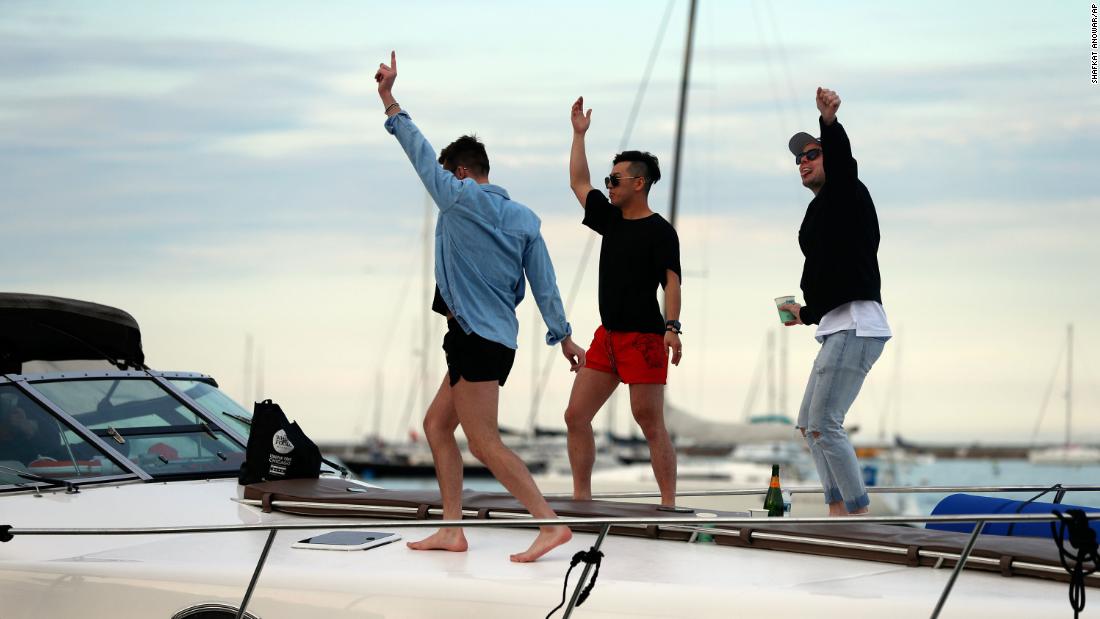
(277, 448)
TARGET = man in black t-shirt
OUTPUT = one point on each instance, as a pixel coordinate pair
(640, 252)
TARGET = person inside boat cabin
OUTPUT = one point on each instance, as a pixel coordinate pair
(26, 438)
(640, 251)
(486, 243)
(839, 238)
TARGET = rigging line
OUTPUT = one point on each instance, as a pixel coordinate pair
(394, 326)
(429, 287)
(399, 313)
(540, 388)
(754, 385)
(410, 402)
(1046, 396)
(896, 385)
(644, 84)
(777, 102)
(776, 34)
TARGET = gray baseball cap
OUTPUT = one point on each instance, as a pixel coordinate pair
(800, 140)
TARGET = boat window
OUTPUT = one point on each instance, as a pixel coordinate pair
(33, 440)
(216, 403)
(147, 424)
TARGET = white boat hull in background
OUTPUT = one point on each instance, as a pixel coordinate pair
(1070, 456)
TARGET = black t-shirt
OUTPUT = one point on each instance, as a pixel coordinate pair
(634, 260)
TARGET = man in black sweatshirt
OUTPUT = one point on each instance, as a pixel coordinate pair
(841, 284)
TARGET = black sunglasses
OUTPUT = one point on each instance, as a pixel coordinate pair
(613, 181)
(811, 154)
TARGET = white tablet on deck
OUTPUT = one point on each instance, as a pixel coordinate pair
(347, 540)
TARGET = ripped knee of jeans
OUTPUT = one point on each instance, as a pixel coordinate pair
(810, 434)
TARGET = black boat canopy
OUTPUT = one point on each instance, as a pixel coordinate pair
(42, 328)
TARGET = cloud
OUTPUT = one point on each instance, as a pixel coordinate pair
(216, 187)
(28, 55)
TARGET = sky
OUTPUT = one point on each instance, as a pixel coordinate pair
(220, 171)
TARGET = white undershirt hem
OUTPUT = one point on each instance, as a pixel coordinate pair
(867, 318)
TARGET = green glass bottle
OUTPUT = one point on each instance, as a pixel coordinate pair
(773, 501)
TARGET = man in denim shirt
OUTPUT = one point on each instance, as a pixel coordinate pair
(484, 245)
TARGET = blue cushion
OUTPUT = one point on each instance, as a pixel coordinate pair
(973, 504)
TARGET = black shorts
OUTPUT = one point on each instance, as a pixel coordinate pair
(475, 358)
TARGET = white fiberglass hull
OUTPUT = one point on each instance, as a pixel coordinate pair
(156, 576)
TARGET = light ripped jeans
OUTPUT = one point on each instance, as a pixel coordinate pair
(837, 376)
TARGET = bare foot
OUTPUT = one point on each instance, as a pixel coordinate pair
(549, 538)
(451, 539)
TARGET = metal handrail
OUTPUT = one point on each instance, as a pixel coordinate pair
(698, 523)
(521, 520)
(819, 490)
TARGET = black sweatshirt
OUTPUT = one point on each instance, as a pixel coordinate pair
(839, 235)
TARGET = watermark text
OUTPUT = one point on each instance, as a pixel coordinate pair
(1093, 51)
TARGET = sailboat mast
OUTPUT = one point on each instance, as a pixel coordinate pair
(1069, 380)
(246, 396)
(782, 371)
(681, 114)
(379, 385)
(770, 377)
(259, 393)
(533, 413)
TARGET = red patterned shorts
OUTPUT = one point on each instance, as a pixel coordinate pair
(635, 358)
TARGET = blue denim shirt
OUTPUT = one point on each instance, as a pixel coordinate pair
(484, 244)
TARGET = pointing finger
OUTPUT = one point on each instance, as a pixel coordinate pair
(393, 59)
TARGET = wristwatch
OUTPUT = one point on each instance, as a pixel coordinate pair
(674, 326)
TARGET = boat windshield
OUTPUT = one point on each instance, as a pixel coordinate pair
(216, 403)
(33, 441)
(148, 425)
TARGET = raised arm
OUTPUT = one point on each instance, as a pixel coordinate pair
(441, 184)
(839, 164)
(386, 76)
(580, 180)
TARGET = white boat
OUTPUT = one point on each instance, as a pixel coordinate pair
(1069, 455)
(141, 516)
